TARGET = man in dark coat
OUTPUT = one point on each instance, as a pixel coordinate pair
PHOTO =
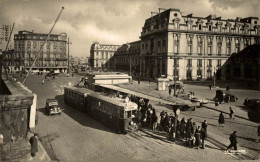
(233, 141)
(34, 145)
(205, 125)
(170, 91)
(182, 127)
(203, 136)
(221, 119)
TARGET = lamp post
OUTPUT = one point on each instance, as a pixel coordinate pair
(68, 55)
(130, 69)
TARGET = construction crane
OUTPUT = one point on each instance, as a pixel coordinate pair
(43, 45)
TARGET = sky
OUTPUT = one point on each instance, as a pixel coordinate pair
(108, 21)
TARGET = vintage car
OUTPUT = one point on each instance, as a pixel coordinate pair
(52, 107)
(252, 103)
(222, 96)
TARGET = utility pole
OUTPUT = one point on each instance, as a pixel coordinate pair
(68, 71)
(130, 65)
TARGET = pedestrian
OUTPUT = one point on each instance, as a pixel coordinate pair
(139, 80)
(72, 74)
(173, 132)
(233, 141)
(203, 136)
(197, 137)
(204, 125)
(170, 91)
(154, 120)
(193, 128)
(189, 135)
(43, 81)
(258, 131)
(221, 119)
(34, 144)
(231, 114)
(182, 127)
(210, 86)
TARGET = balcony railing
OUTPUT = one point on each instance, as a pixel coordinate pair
(199, 65)
(189, 65)
(228, 44)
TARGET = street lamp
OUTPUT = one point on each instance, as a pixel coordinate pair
(68, 55)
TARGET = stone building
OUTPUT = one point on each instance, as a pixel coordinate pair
(191, 47)
(53, 56)
(101, 54)
(245, 65)
(127, 58)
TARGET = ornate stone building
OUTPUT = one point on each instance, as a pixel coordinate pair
(127, 58)
(53, 56)
(101, 55)
(193, 47)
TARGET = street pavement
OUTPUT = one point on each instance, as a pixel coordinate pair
(74, 136)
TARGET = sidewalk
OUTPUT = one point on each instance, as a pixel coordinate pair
(218, 140)
(41, 155)
(151, 90)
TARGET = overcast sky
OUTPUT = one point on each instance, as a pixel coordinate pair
(108, 21)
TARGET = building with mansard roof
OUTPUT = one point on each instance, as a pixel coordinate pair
(192, 48)
(27, 44)
(127, 58)
(101, 55)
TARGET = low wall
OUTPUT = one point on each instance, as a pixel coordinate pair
(14, 120)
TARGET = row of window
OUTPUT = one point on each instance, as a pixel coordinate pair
(199, 63)
(40, 43)
(104, 55)
(29, 49)
(35, 37)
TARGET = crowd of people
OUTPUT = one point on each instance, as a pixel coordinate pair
(186, 130)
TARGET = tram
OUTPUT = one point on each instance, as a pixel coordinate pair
(116, 113)
(76, 97)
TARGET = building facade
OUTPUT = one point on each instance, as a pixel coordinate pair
(192, 48)
(126, 58)
(101, 55)
(27, 44)
(245, 65)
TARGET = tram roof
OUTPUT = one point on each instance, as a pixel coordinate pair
(80, 90)
(174, 101)
(115, 100)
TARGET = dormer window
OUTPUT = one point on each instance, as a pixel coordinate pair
(209, 27)
(175, 14)
(255, 22)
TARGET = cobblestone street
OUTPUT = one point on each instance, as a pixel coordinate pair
(74, 136)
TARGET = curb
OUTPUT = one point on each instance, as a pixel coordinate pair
(45, 154)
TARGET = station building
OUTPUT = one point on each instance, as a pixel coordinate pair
(27, 44)
(191, 48)
(101, 55)
(187, 47)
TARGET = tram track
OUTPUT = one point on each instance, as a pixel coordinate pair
(159, 148)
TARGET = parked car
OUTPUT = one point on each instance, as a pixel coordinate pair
(52, 107)
(222, 96)
(252, 103)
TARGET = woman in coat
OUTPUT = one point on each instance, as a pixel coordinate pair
(221, 119)
(197, 137)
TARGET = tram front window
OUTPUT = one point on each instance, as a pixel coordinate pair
(128, 114)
